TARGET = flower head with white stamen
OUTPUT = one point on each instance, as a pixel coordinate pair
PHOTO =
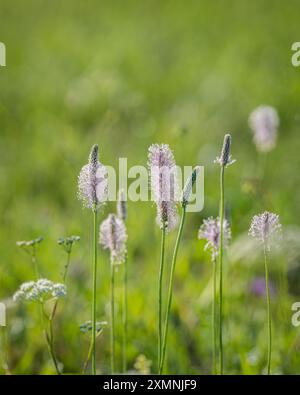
(92, 182)
(264, 226)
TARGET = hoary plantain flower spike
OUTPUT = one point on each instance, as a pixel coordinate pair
(188, 188)
(162, 169)
(225, 157)
(92, 182)
(113, 236)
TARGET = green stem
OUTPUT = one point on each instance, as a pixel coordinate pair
(160, 278)
(125, 315)
(268, 311)
(221, 268)
(169, 303)
(112, 317)
(34, 261)
(94, 303)
(214, 328)
(48, 338)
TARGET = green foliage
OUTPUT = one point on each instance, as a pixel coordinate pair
(125, 76)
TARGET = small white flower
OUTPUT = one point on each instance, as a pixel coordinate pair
(92, 182)
(210, 231)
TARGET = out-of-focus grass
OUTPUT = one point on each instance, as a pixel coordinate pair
(125, 76)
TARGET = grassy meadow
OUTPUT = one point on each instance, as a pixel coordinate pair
(124, 75)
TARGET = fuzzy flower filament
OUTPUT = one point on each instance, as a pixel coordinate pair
(210, 231)
(162, 170)
(264, 122)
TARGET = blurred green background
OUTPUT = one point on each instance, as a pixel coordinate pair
(125, 74)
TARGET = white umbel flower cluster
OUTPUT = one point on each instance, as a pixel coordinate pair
(39, 291)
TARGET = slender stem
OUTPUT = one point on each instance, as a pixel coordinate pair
(94, 303)
(112, 317)
(268, 310)
(67, 265)
(125, 315)
(169, 303)
(34, 261)
(87, 358)
(214, 328)
(221, 268)
(160, 278)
